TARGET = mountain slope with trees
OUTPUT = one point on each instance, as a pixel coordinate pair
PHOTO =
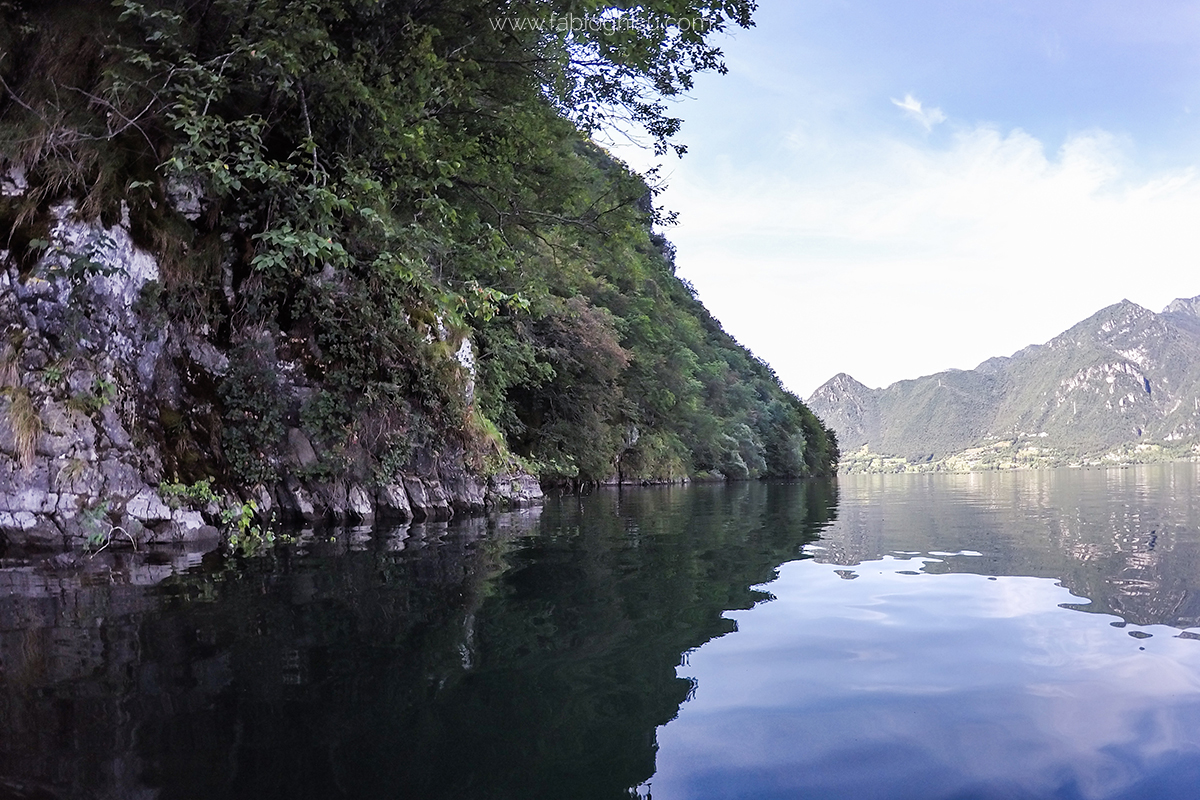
(382, 239)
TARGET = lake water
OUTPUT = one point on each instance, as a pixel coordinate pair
(1002, 635)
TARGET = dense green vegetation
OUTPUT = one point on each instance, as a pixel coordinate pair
(373, 182)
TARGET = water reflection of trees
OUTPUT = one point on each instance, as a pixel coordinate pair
(1128, 540)
(524, 656)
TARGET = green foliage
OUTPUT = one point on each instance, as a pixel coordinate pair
(195, 495)
(102, 393)
(623, 372)
(254, 410)
(245, 536)
(53, 374)
(96, 525)
(77, 268)
(379, 180)
(99, 531)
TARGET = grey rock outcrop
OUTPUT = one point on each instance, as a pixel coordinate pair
(73, 365)
(427, 499)
(515, 490)
(95, 390)
(391, 502)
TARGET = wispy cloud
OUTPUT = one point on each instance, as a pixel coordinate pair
(927, 117)
(1052, 47)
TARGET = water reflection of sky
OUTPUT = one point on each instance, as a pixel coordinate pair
(902, 685)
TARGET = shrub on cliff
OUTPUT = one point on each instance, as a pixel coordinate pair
(369, 183)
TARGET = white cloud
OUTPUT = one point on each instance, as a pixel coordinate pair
(927, 117)
(890, 260)
(1052, 47)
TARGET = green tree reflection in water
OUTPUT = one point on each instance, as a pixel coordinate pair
(531, 660)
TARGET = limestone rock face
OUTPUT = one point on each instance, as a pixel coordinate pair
(514, 490)
(302, 455)
(296, 502)
(359, 503)
(467, 493)
(391, 502)
(102, 398)
(147, 507)
(427, 499)
(73, 371)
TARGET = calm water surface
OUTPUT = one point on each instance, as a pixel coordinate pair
(978, 636)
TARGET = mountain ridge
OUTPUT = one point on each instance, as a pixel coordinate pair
(1122, 385)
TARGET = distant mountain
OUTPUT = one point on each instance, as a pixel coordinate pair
(1121, 386)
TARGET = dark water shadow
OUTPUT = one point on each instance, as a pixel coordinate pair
(523, 655)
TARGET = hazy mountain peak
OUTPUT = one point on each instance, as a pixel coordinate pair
(851, 407)
(843, 382)
(1125, 379)
(1126, 307)
(1184, 305)
(1109, 324)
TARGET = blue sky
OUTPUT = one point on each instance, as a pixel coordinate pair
(892, 189)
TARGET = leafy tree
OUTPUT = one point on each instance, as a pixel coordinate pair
(375, 181)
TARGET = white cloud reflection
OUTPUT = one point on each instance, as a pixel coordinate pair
(986, 684)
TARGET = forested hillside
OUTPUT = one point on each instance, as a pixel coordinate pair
(387, 232)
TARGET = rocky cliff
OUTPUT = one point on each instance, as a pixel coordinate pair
(1120, 386)
(360, 259)
(105, 401)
